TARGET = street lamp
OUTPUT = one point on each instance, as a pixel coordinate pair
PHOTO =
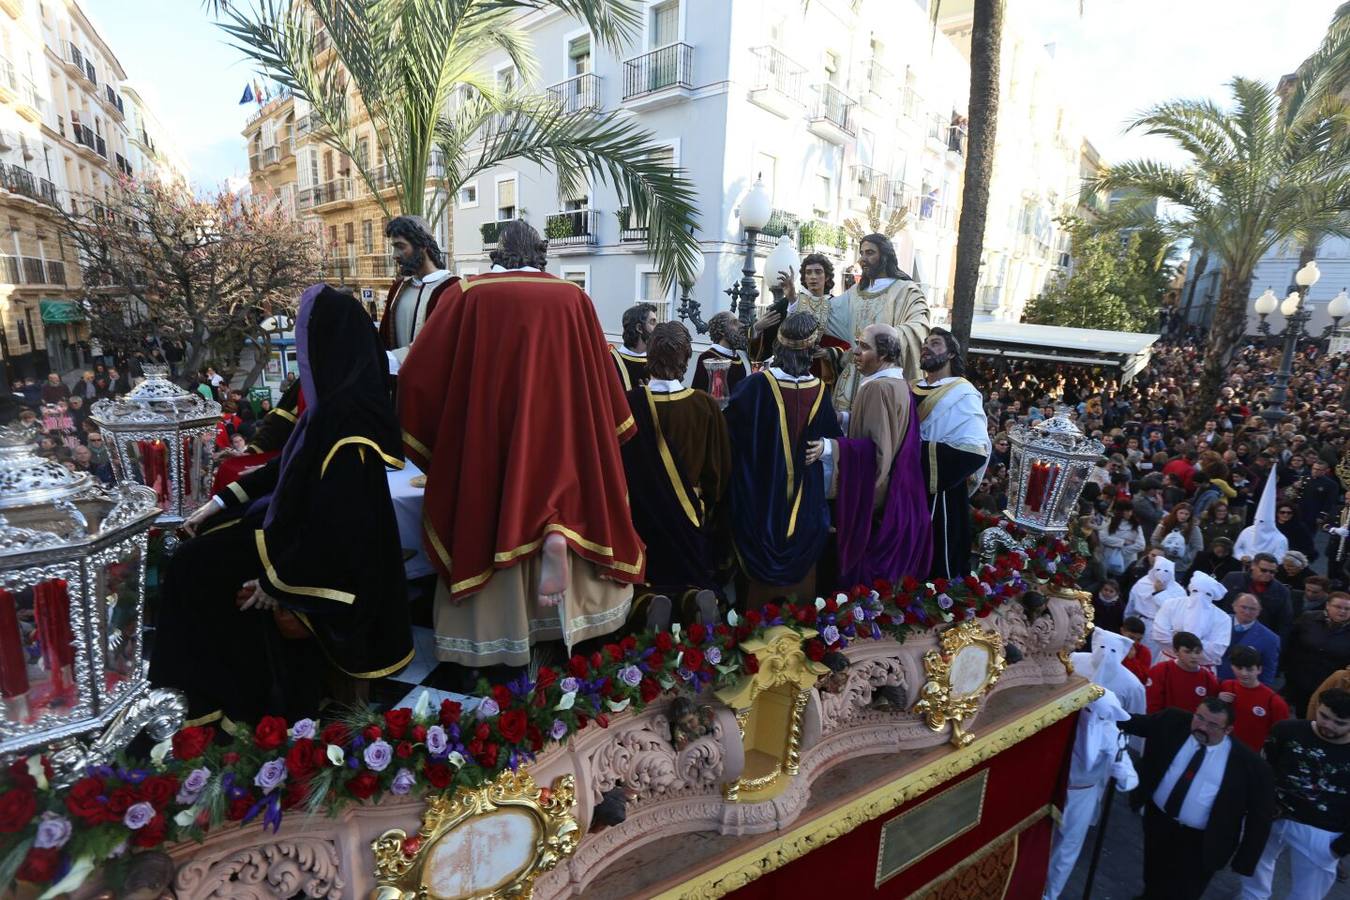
(756, 209)
(1338, 309)
(1265, 305)
(1296, 314)
(689, 307)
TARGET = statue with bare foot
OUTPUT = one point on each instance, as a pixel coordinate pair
(511, 405)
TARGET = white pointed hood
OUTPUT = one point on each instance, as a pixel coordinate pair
(1262, 536)
(1204, 589)
(1163, 574)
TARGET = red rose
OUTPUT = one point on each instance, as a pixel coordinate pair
(397, 721)
(578, 666)
(502, 695)
(582, 721)
(437, 774)
(120, 800)
(535, 738)
(151, 834)
(657, 661)
(482, 731)
(815, 650)
(40, 865)
(363, 786)
(190, 743)
(489, 757)
(372, 732)
(301, 759)
(86, 802)
(230, 758)
(664, 641)
(512, 725)
(597, 660)
(722, 630)
(17, 808)
(770, 612)
(19, 777)
(419, 733)
(475, 748)
(753, 618)
(270, 733)
(697, 632)
(450, 712)
(751, 663)
(403, 750)
(940, 585)
(540, 699)
(545, 678)
(629, 643)
(336, 733)
(159, 790)
(693, 659)
(831, 604)
(614, 652)
(602, 720)
(239, 807)
(649, 690)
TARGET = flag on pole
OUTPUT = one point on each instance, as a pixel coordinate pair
(248, 95)
(258, 92)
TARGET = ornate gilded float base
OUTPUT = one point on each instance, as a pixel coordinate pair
(960, 673)
(489, 842)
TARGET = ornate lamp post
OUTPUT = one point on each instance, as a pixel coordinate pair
(1338, 309)
(1296, 314)
(162, 437)
(756, 209)
(73, 680)
(1264, 306)
(689, 307)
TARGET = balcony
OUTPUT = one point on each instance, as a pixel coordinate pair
(778, 83)
(880, 86)
(578, 94)
(937, 129)
(30, 104)
(333, 192)
(340, 267)
(271, 155)
(911, 106)
(781, 222)
(815, 236)
(90, 72)
(124, 166)
(9, 81)
(630, 230)
(490, 232)
(832, 119)
(659, 78)
(253, 162)
(572, 229)
(100, 146)
(114, 99)
(84, 136)
(304, 125)
(869, 183)
(74, 59)
(378, 265)
(956, 141)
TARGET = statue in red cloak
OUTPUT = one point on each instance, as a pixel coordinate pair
(510, 404)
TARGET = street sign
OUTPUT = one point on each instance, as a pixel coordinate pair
(368, 294)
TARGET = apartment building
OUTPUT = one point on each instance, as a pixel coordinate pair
(64, 139)
(270, 137)
(153, 151)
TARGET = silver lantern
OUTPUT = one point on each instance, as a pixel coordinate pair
(1051, 461)
(163, 438)
(73, 679)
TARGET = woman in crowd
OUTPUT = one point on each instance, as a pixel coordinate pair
(1181, 521)
(1217, 522)
(1120, 539)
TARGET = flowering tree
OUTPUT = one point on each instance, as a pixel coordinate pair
(158, 261)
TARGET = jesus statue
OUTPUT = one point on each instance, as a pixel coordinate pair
(884, 295)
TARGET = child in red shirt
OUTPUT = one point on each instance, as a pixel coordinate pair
(1140, 658)
(1257, 706)
(1181, 682)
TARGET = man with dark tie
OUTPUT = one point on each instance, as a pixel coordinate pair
(1211, 799)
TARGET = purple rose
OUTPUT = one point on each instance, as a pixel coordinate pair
(139, 815)
(303, 728)
(944, 601)
(630, 675)
(487, 708)
(559, 730)
(193, 785)
(569, 685)
(271, 774)
(403, 782)
(436, 740)
(378, 755)
(970, 613)
(830, 635)
(713, 655)
(53, 831)
(859, 613)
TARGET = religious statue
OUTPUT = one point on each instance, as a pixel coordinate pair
(818, 279)
(422, 282)
(884, 294)
(688, 722)
(630, 360)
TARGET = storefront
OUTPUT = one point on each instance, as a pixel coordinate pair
(67, 334)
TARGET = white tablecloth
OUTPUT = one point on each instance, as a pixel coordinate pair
(408, 511)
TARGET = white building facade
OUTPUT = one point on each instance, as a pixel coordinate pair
(152, 150)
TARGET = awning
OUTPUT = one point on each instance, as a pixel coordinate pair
(59, 312)
(1077, 346)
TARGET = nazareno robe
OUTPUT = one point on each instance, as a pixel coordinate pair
(780, 518)
(736, 373)
(632, 367)
(678, 464)
(315, 527)
(881, 511)
(955, 448)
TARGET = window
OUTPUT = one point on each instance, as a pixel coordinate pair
(468, 196)
(580, 276)
(349, 232)
(665, 24)
(832, 67)
(506, 199)
(332, 236)
(824, 195)
(649, 291)
(506, 79)
(580, 201)
(363, 153)
(579, 56)
(327, 165)
(367, 236)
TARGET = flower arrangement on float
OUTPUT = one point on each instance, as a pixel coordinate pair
(209, 776)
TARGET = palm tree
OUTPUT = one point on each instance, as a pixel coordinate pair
(416, 67)
(1259, 174)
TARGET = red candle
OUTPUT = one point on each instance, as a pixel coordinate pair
(13, 669)
(154, 469)
(51, 605)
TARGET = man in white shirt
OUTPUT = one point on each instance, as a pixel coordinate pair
(422, 282)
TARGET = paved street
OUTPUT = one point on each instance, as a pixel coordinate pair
(1120, 873)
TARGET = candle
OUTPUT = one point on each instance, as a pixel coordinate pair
(51, 606)
(13, 669)
(154, 469)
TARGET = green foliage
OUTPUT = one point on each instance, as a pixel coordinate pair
(558, 227)
(1116, 283)
(491, 231)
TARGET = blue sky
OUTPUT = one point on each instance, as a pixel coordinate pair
(1119, 56)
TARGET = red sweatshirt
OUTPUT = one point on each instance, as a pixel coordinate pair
(1258, 709)
(1139, 662)
(1170, 685)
